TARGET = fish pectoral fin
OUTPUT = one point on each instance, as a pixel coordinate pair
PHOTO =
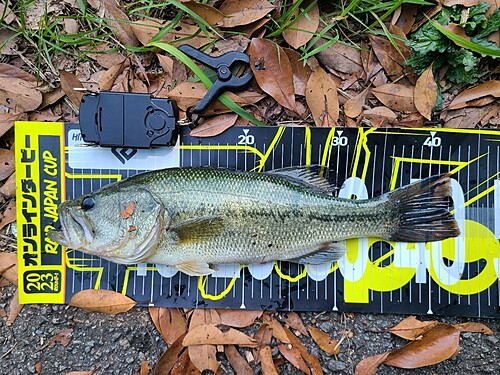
(198, 229)
(326, 253)
(195, 268)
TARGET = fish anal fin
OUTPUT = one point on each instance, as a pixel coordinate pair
(310, 176)
(325, 253)
(195, 268)
(198, 229)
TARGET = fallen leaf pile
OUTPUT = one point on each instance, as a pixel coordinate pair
(345, 83)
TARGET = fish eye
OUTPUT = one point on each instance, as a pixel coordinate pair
(88, 203)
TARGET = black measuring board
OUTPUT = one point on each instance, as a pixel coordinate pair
(453, 277)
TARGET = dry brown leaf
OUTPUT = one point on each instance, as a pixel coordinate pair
(380, 116)
(303, 29)
(109, 77)
(426, 93)
(263, 337)
(322, 99)
(7, 163)
(396, 97)
(144, 368)
(238, 318)
(294, 321)
(44, 116)
(204, 316)
(63, 336)
(38, 367)
(411, 328)
(457, 30)
(144, 30)
(369, 365)
(470, 95)
(216, 334)
(188, 94)
(392, 60)
(466, 3)
(184, 366)
(71, 26)
(15, 308)
(7, 15)
(404, 17)
(19, 95)
(468, 118)
(278, 330)
(8, 266)
(170, 323)
(354, 106)
(266, 361)
(207, 12)
(90, 372)
(49, 98)
(340, 58)
(437, 344)
(301, 72)
(238, 43)
(244, 12)
(12, 71)
(68, 83)
(273, 71)
(119, 23)
(166, 63)
(7, 121)
(169, 357)
(9, 215)
(312, 361)
(293, 356)
(324, 341)
(413, 120)
(214, 125)
(104, 301)
(103, 54)
(473, 327)
(204, 357)
(237, 362)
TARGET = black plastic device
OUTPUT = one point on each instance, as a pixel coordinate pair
(119, 119)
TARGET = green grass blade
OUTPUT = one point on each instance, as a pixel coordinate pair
(465, 43)
(224, 99)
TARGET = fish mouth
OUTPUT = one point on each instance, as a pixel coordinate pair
(74, 232)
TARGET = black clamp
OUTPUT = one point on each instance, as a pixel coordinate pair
(226, 80)
(120, 119)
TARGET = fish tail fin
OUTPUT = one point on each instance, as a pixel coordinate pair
(421, 211)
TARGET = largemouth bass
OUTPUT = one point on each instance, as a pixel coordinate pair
(196, 218)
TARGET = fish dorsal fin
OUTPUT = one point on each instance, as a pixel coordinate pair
(198, 229)
(309, 176)
(195, 268)
(328, 252)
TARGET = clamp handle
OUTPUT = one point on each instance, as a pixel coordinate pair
(225, 78)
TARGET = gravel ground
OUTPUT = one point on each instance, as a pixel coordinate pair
(118, 344)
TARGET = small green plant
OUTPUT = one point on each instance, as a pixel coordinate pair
(433, 44)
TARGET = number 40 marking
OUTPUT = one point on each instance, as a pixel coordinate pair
(432, 141)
